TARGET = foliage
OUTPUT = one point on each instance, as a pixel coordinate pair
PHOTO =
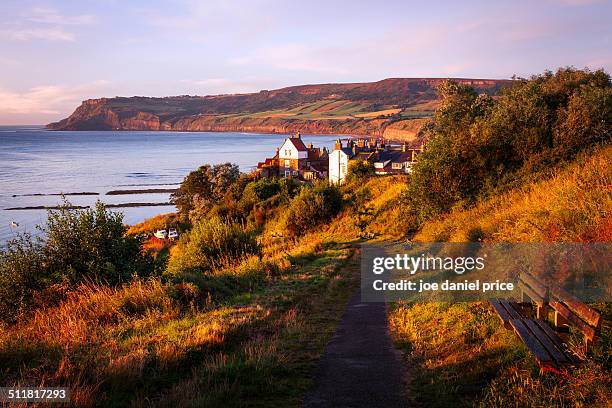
(359, 170)
(78, 245)
(265, 188)
(203, 188)
(311, 207)
(212, 244)
(572, 206)
(478, 144)
(21, 273)
(90, 245)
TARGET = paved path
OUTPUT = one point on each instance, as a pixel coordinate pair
(361, 367)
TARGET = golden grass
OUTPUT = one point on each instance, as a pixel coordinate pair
(148, 339)
(387, 221)
(462, 356)
(573, 206)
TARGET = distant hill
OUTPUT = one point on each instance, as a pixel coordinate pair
(354, 108)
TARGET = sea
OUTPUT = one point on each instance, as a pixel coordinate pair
(37, 165)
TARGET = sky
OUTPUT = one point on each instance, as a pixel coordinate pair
(54, 54)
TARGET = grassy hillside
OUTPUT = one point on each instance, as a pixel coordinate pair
(571, 206)
(461, 354)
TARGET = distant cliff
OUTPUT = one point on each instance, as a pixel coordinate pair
(356, 108)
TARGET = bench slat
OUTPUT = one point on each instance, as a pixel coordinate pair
(535, 284)
(591, 316)
(531, 342)
(550, 347)
(501, 311)
(557, 341)
(512, 309)
(536, 298)
(588, 331)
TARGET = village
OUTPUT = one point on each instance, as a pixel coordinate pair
(294, 159)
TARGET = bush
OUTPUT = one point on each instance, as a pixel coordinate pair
(91, 245)
(478, 145)
(311, 207)
(22, 272)
(79, 245)
(212, 244)
(264, 188)
(359, 171)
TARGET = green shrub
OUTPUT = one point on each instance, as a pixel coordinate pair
(22, 272)
(359, 171)
(212, 244)
(264, 188)
(311, 207)
(78, 245)
(478, 145)
(91, 245)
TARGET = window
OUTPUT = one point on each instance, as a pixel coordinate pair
(287, 163)
(287, 173)
(396, 165)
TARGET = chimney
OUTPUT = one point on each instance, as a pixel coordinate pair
(298, 135)
(277, 150)
(404, 147)
(338, 145)
(413, 158)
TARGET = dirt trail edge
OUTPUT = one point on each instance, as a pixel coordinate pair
(360, 367)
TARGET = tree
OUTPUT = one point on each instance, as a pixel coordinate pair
(477, 144)
(204, 187)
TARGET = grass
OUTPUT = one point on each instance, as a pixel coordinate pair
(170, 343)
(460, 353)
(462, 356)
(161, 221)
(322, 110)
(572, 206)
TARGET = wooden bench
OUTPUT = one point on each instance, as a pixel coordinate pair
(529, 319)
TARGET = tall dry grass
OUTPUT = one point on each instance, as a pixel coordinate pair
(573, 206)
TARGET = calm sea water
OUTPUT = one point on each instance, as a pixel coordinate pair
(36, 161)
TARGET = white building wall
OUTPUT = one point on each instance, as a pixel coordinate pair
(289, 151)
(338, 166)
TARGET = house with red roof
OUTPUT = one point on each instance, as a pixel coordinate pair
(296, 160)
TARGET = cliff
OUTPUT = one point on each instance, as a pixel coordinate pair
(375, 108)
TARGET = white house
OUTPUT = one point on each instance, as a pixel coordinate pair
(292, 156)
(339, 163)
(338, 166)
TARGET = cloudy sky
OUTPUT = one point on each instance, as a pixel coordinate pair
(53, 54)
